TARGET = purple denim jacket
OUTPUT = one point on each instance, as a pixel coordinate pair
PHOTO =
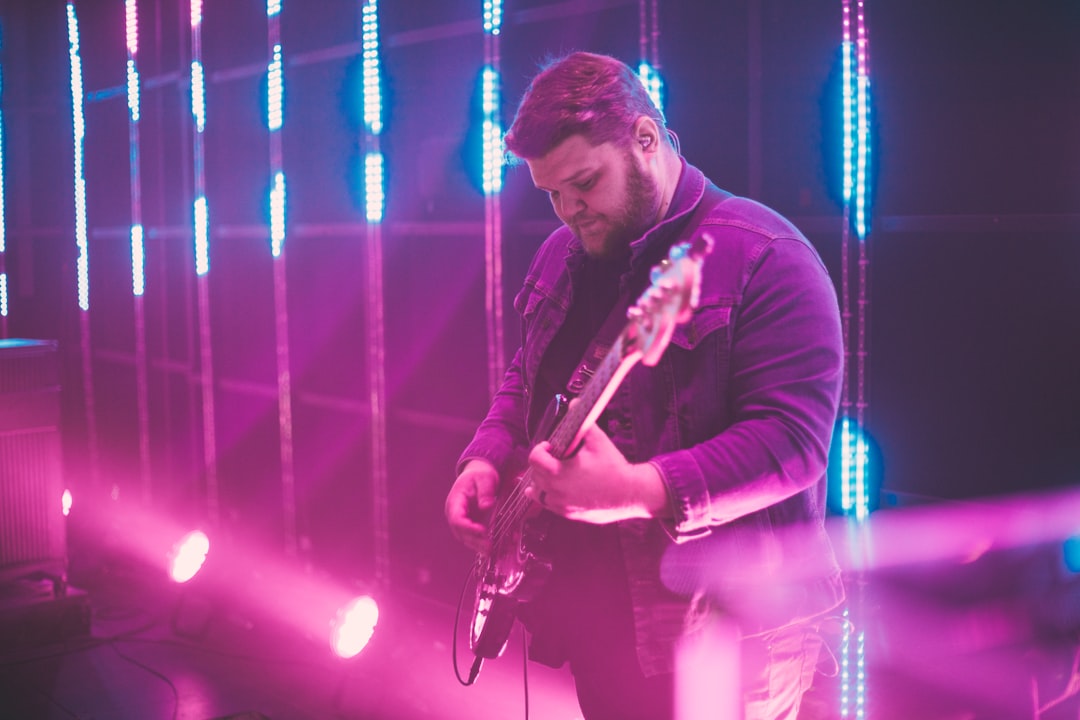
(737, 417)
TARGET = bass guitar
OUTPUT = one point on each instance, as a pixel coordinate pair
(515, 568)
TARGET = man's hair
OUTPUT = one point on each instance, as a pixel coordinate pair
(582, 93)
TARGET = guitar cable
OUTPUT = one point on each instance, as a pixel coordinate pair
(478, 662)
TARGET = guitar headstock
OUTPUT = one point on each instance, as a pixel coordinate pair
(670, 298)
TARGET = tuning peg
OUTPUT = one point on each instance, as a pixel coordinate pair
(658, 270)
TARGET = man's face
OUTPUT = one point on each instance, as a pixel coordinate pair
(603, 193)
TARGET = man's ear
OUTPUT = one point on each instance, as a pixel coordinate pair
(646, 134)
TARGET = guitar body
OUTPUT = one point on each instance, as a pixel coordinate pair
(519, 563)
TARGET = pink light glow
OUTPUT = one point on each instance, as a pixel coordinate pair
(65, 502)
(354, 626)
(188, 555)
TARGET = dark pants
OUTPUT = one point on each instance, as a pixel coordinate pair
(585, 618)
(774, 670)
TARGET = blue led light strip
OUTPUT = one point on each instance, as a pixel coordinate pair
(79, 126)
(275, 119)
(138, 250)
(853, 684)
(374, 204)
(493, 163)
(82, 262)
(856, 138)
(862, 125)
(3, 229)
(374, 193)
(201, 221)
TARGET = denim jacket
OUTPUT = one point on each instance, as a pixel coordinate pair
(737, 417)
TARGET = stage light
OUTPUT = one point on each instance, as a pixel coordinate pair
(65, 502)
(354, 626)
(188, 556)
(1072, 553)
(3, 295)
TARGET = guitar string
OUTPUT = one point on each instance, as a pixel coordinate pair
(516, 506)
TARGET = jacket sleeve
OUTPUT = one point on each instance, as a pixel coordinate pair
(502, 433)
(786, 373)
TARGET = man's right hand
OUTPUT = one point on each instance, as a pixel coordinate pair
(470, 502)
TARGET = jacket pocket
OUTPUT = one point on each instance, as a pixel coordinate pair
(705, 321)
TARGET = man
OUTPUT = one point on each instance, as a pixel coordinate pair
(699, 493)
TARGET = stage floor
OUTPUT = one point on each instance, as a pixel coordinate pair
(151, 656)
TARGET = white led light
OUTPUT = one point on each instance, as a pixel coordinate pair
(202, 232)
(131, 23)
(79, 131)
(374, 198)
(198, 95)
(493, 149)
(372, 91)
(848, 103)
(3, 229)
(138, 261)
(277, 213)
(493, 12)
(275, 91)
(133, 90)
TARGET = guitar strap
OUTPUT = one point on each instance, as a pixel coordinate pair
(616, 319)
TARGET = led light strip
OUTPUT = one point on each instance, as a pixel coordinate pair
(82, 263)
(79, 125)
(3, 229)
(138, 249)
(374, 194)
(374, 205)
(275, 119)
(491, 183)
(201, 221)
(855, 107)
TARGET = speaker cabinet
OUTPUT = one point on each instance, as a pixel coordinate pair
(32, 531)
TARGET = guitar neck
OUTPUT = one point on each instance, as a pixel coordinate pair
(594, 397)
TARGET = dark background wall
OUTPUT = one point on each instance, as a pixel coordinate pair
(975, 246)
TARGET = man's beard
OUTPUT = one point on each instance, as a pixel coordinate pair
(637, 214)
